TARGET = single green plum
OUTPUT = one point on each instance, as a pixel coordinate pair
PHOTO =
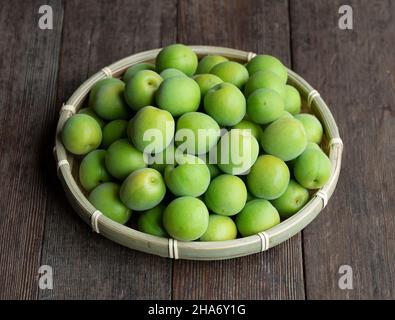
(178, 95)
(186, 218)
(150, 222)
(107, 99)
(122, 159)
(220, 228)
(143, 189)
(151, 130)
(225, 103)
(92, 113)
(264, 106)
(190, 176)
(257, 216)
(105, 198)
(237, 151)
(312, 169)
(196, 132)
(140, 89)
(171, 72)
(177, 56)
(113, 131)
(264, 79)
(208, 62)
(93, 171)
(81, 134)
(312, 126)
(136, 68)
(226, 195)
(206, 82)
(231, 72)
(268, 63)
(284, 138)
(268, 178)
(254, 128)
(292, 200)
(292, 100)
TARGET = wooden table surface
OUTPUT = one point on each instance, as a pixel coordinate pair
(354, 70)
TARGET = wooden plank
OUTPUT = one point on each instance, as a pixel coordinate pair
(86, 265)
(354, 71)
(29, 65)
(277, 274)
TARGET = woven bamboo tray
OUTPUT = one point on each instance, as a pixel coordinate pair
(196, 250)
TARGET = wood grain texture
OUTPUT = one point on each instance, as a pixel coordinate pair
(86, 265)
(29, 65)
(262, 27)
(354, 71)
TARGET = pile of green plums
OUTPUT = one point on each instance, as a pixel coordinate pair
(201, 150)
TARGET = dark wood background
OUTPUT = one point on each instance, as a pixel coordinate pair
(354, 70)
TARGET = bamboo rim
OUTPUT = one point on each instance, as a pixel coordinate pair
(198, 250)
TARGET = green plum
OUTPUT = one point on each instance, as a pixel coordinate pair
(190, 176)
(178, 95)
(143, 189)
(225, 103)
(92, 171)
(177, 56)
(186, 218)
(151, 130)
(268, 63)
(237, 151)
(264, 106)
(292, 100)
(268, 178)
(312, 126)
(284, 138)
(231, 72)
(150, 222)
(292, 200)
(122, 159)
(113, 131)
(81, 134)
(107, 99)
(206, 82)
(254, 128)
(312, 169)
(170, 73)
(208, 62)
(92, 113)
(105, 198)
(264, 79)
(196, 132)
(226, 195)
(140, 89)
(220, 228)
(136, 68)
(257, 216)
